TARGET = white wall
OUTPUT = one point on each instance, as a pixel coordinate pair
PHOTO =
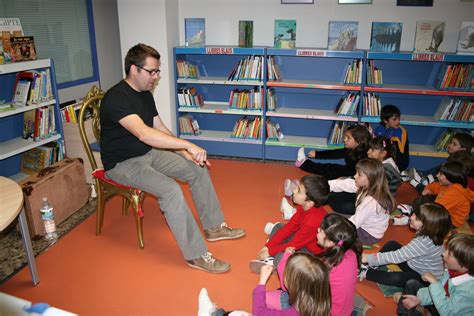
(160, 23)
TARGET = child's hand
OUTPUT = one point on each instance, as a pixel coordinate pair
(263, 254)
(290, 249)
(428, 277)
(312, 154)
(410, 301)
(426, 192)
(265, 273)
(364, 258)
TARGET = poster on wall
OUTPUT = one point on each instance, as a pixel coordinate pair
(415, 3)
(386, 37)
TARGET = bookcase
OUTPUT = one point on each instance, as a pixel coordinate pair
(12, 144)
(311, 87)
(216, 117)
(413, 82)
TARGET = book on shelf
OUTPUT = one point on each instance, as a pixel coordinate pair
(273, 70)
(22, 91)
(247, 128)
(188, 125)
(336, 136)
(9, 27)
(195, 32)
(456, 76)
(454, 109)
(188, 97)
(245, 33)
(347, 106)
(39, 124)
(353, 73)
(249, 68)
(271, 99)
(343, 35)
(284, 34)
(273, 131)
(372, 104)
(246, 99)
(444, 139)
(374, 75)
(38, 158)
(22, 48)
(429, 36)
(466, 38)
(386, 37)
(187, 70)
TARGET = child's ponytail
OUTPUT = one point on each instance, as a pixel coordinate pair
(343, 234)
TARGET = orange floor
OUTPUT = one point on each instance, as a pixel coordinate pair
(110, 275)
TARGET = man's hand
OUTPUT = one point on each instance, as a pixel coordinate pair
(410, 301)
(263, 254)
(430, 278)
(199, 155)
(312, 154)
(265, 273)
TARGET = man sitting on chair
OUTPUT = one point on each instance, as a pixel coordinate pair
(138, 150)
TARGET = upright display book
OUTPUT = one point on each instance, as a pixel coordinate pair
(342, 35)
(386, 37)
(22, 48)
(245, 33)
(9, 27)
(429, 36)
(466, 38)
(285, 34)
(195, 32)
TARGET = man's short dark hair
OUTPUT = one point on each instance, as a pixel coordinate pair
(388, 111)
(317, 189)
(138, 54)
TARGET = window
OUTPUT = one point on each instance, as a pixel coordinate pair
(63, 30)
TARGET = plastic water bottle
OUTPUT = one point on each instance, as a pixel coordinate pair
(48, 219)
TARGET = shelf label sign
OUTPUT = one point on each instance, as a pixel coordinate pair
(427, 56)
(310, 52)
(220, 50)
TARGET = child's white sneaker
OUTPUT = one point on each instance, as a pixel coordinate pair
(269, 227)
(287, 210)
(401, 221)
(290, 186)
(405, 209)
(206, 307)
(431, 178)
(300, 157)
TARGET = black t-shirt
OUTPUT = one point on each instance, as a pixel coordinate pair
(116, 143)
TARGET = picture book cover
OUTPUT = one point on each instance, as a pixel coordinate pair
(195, 32)
(245, 33)
(343, 35)
(466, 38)
(429, 36)
(386, 37)
(22, 48)
(285, 34)
(8, 27)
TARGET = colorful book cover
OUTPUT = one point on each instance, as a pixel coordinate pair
(22, 48)
(429, 36)
(285, 34)
(343, 35)
(245, 33)
(466, 38)
(386, 37)
(195, 32)
(8, 27)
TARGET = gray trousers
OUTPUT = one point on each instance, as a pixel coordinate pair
(154, 173)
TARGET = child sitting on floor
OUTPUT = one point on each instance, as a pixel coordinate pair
(374, 202)
(422, 254)
(450, 295)
(356, 139)
(300, 232)
(390, 127)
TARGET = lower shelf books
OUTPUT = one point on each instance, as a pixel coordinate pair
(354, 72)
(189, 97)
(274, 131)
(348, 106)
(372, 104)
(246, 99)
(39, 123)
(336, 137)
(460, 110)
(374, 75)
(40, 157)
(188, 125)
(247, 128)
(271, 99)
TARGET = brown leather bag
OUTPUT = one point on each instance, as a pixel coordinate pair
(64, 184)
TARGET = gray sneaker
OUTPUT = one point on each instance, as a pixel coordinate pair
(209, 264)
(223, 232)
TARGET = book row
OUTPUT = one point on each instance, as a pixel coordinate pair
(41, 157)
(32, 87)
(39, 124)
(457, 76)
(343, 35)
(250, 68)
(189, 97)
(246, 99)
(458, 110)
(188, 125)
(445, 138)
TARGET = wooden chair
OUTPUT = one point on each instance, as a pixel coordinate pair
(106, 188)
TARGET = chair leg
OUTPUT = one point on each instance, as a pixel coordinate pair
(138, 220)
(100, 211)
(125, 204)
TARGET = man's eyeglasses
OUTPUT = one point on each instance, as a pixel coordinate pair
(151, 72)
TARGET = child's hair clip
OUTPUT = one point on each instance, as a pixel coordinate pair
(340, 243)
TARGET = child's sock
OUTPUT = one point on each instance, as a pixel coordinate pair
(300, 158)
(286, 209)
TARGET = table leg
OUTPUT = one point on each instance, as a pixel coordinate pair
(25, 236)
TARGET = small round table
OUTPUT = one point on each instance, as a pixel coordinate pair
(11, 206)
